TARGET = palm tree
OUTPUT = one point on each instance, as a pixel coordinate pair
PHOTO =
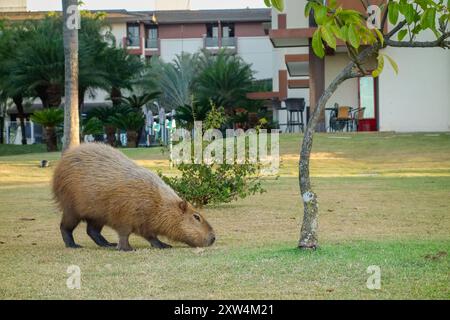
(174, 80)
(136, 102)
(49, 118)
(10, 38)
(122, 70)
(104, 114)
(225, 79)
(132, 123)
(38, 63)
(94, 126)
(71, 116)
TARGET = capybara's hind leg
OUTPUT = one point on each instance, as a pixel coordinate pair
(94, 230)
(69, 222)
(124, 245)
(156, 243)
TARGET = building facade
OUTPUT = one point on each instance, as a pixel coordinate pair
(417, 99)
(169, 32)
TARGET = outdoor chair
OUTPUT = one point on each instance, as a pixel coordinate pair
(295, 108)
(344, 117)
(276, 105)
(358, 114)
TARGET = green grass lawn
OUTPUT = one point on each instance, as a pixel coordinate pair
(384, 200)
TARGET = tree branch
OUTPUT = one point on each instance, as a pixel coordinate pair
(440, 42)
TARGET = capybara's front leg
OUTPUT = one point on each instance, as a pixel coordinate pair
(124, 245)
(93, 230)
(156, 243)
(69, 222)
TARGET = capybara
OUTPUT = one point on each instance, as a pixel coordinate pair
(95, 183)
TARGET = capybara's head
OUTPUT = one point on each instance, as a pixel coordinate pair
(196, 231)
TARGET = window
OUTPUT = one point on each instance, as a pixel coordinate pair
(133, 34)
(228, 35)
(367, 96)
(228, 30)
(212, 30)
(151, 37)
(212, 35)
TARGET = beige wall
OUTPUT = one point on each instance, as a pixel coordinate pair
(347, 93)
(295, 17)
(119, 30)
(258, 52)
(418, 98)
(13, 5)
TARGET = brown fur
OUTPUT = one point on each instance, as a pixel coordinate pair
(98, 184)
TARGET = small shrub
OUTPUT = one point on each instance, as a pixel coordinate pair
(203, 184)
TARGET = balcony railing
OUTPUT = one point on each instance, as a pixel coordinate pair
(228, 42)
(211, 42)
(151, 43)
(133, 41)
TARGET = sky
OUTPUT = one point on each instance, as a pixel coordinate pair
(45, 5)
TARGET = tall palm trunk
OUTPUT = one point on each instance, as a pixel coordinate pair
(51, 140)
(71, 117)
(18, 101)
(132, 139)
(116, 96)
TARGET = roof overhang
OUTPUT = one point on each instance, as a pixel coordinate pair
(298, 83)
(283, 38)
(297, 64)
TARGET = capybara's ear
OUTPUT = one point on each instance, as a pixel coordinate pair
(183, 205)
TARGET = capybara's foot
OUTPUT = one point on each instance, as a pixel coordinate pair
(129, 248)
(68, 238)
(124, 245)
(93, 230)
(156, 243)
(74, 246)
(109, 244)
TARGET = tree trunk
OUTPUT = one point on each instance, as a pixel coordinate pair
(308, 232)
(131, 139)
(18, 101)
(110, 135)
(54, 94)
(51, 141)
(71, 116)
(116, 96)
(2, 128)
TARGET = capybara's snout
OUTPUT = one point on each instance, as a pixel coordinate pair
(211, 239)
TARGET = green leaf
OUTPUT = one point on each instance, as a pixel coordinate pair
(393, 63)
(402, 34)
(379, 69)
(308, 7)
(332, 4)
(328, 36)
(267, 3)
(393, 12)
(344, 32)
(353, 36)
(336, 31)
(428, 19)
(380, 36)
(317, 44)
(278, 4)
(320, 14)
(408, 11)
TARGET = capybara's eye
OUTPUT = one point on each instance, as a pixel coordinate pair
(197, 217)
